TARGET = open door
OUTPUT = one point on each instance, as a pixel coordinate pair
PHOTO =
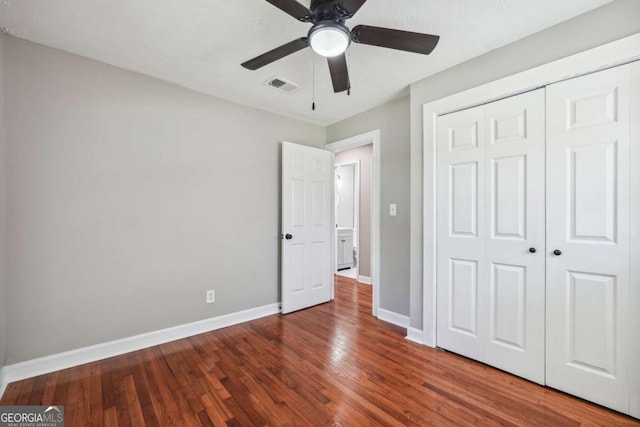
(307, 266)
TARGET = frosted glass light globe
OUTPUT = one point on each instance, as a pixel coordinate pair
(328, 40)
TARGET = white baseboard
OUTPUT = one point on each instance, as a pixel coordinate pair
(69, 359)
(364, 279)
(415, 335)
(3, 382)
(395, 318)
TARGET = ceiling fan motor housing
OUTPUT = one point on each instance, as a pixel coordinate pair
(328, 10)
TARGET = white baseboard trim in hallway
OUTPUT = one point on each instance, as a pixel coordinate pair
(364, 279)
(395, 318)
(415, 335)
(69, 359)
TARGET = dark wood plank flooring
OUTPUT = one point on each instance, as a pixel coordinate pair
(333, 364)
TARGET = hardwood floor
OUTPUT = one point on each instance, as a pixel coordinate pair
(332, 364)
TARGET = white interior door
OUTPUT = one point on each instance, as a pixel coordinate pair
(490, 244)
(588, 237)
(460, 227)
(307, 265)
(514, 282)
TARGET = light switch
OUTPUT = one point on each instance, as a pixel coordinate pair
(393, 209)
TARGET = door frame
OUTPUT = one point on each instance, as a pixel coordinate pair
(613, 54)
(372, 137)
(356, 209)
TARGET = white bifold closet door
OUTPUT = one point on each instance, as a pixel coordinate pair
(537, 273)
(491, 233)
(588, 190)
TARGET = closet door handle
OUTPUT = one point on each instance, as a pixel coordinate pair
(288, 236)
(532, 250)
(557, 252)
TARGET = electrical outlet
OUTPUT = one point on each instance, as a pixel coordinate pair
(393, 209)
(211, 296)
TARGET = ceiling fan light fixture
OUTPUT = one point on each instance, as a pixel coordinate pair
(329, 39)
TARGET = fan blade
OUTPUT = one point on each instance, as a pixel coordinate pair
(339, 73)
(275, 54)
(351, 6)
(293, 8)
(395, 39)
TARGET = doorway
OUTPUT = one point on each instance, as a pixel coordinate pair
(353, 213)
(357, 209)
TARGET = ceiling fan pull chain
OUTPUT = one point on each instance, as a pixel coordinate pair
(313, 83)
(349, 62)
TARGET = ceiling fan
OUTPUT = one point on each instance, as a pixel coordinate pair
(330, 37)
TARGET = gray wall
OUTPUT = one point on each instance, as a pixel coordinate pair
(2, 209)
(364, 155)
(393, 121)
(608, 23)
(128, 198)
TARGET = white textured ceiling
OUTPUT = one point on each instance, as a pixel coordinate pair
(200, 44)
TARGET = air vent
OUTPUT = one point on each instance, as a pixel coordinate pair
(282, 85)
(277, 83)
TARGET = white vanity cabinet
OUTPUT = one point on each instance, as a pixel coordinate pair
(345, 248)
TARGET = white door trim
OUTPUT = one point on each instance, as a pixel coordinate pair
(615, 53)
(634, 238)
(372, 137)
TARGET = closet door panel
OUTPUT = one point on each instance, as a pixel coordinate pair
(490, 214)
(513, 300)
(460, 219)
(588, 236)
